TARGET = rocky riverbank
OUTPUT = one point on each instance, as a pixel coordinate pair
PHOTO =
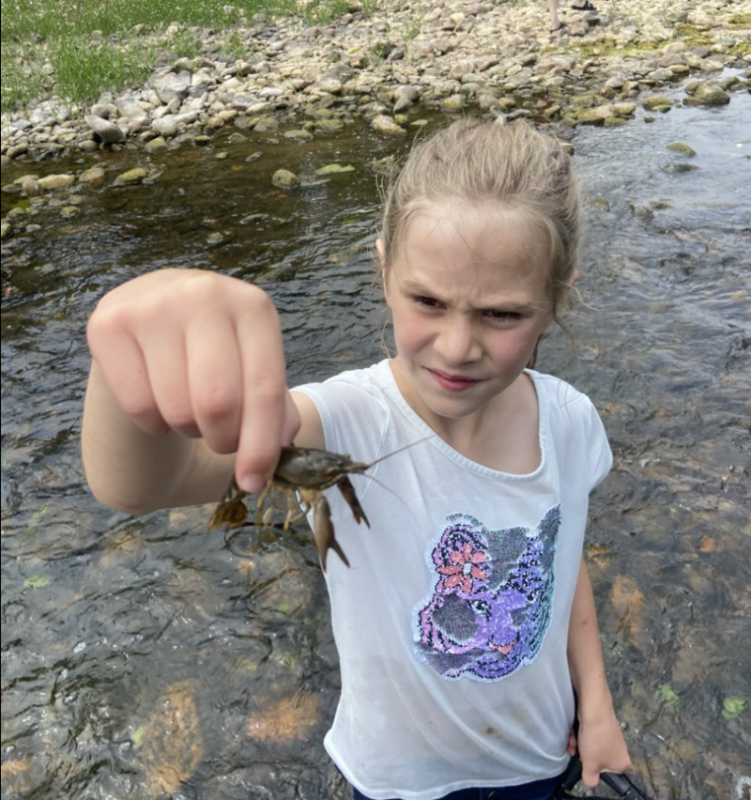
(450, 56)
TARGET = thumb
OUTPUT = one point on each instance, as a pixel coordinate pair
(590, 776)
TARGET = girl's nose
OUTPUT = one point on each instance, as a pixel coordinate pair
(456, 342)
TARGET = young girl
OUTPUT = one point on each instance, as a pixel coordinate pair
(466, 621)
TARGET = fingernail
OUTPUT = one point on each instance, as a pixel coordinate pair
(252, 483)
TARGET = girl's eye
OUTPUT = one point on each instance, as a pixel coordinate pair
(427, 302)
(503, 316)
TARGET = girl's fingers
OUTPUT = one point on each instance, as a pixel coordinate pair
(215, 380)
(264, 393)
(571, 746)
(168, 374)
(124, 368)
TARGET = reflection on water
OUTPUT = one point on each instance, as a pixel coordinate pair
(143, 658)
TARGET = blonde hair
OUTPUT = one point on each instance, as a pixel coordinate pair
(526, 171)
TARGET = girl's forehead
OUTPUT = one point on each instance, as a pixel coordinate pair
(488, 235)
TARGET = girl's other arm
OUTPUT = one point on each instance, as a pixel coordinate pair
(602, 747)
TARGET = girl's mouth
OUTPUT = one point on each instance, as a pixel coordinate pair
(452, 383)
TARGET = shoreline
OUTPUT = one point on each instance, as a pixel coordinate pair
(455, 57)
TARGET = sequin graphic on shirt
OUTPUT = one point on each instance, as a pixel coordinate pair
(491, 601)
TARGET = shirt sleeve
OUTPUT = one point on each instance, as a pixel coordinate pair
(599, 454)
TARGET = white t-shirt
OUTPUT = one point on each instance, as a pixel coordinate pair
(452, 622)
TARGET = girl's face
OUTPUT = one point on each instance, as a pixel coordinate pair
(467, 288)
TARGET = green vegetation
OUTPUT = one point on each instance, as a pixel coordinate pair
(733, 707)
(667, 695)
(76, 49)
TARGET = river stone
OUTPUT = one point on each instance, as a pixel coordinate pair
(171, 743)
(623, 109)
(329, 85)
(88, 146)
(708, 94)
(131, 177)
(52, 183)
(299, 135)
(30, 186)
(5, 161)
(404, 97)
(657, 102)
(172, 85)
(682, 166)
(5, 230)
(329, 125)
(387, 126)
(165, 126)
(68, 212)
(266, 124)
(107, 131)
(683, 149)
(92, 177)
(285, 179)
(158, 145)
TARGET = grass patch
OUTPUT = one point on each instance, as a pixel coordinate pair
(130, 34)
(84, 72)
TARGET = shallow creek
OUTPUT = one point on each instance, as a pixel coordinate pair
(142, 658)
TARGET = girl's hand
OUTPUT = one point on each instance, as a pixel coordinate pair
(601, 746)
(198, 353)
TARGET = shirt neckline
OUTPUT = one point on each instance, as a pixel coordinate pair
(392, 388)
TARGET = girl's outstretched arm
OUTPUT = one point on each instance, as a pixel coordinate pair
(602, 747)
(188, 380)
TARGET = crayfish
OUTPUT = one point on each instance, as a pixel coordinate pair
(307, 472)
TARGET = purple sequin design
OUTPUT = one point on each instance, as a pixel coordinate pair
(491, 600)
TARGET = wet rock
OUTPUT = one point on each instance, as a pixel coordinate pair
(158, 145)
(682, 166)
(30, 186)
(88, 146)
(266, 124)
(92, 177)
(5, 161)
(453, 104)
(657, 102)
(709, 95)
(299, 135)
(387, 126)
(170, 744)
(404, 97)
(289, 720)
(285, 179)
(107, 131)
(5, 230)
(51, 183)
(683, 149)
(68, 212)
(131, 177)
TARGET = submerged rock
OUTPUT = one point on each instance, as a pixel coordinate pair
(131, 177)
(683, 149)
(285, 179)
(387, 126)
(51, 183)
(709, 95)
(92, 177)
(657, 102)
